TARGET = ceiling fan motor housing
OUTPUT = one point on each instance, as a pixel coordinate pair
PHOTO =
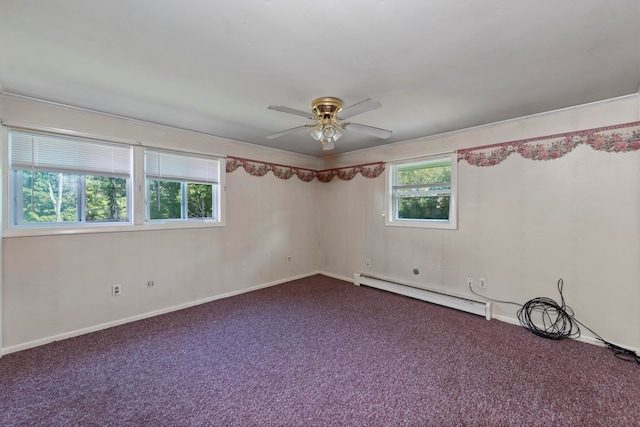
(326, 107)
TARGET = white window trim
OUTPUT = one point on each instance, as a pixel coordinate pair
(450, 224)
(137, 194)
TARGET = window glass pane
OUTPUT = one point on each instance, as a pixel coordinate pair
(417, 200)
(106, 199)
(430, 207)
(48, 197)
(200, 200)
(165, 199)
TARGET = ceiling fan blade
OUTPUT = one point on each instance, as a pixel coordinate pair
(369, 130)
(286, 132)
(283, 109)
(359, 108)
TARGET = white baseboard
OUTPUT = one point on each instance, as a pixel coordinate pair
(95, 328)
(335, 276)
(510, 320)
(582, 338)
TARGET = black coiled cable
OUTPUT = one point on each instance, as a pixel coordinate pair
(558, 322)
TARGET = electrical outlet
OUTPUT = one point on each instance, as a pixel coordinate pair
(367, 262)
(482, 283)
(470, 282)
(289, 259)
(116, 290)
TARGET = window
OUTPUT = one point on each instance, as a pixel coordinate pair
(62, 181)
(181, 187)
(422, 192)
(70, 182)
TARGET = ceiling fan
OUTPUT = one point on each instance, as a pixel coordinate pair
(329, 119)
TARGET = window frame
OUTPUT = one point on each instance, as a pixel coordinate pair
(391, 200)
(14, 190)
(216, 190)
(136, 194)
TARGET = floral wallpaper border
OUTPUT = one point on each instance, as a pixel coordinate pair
(258, 168)
(613, 139)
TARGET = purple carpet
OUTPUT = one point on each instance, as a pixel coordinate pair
(317, 352)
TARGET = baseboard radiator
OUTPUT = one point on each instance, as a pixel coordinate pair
(452, 301)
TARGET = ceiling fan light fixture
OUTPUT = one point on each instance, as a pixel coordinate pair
(316, 132)
(329, 132)
(338, 134)
(327, 144)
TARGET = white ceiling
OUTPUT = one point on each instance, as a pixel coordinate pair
(215, 66)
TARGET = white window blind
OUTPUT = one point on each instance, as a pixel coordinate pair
(53, 153)
(168, 166)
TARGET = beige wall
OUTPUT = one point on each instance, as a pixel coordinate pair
(57, 286)
(522, 224)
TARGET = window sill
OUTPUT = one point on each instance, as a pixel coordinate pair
(442, 225)
(97, 229)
